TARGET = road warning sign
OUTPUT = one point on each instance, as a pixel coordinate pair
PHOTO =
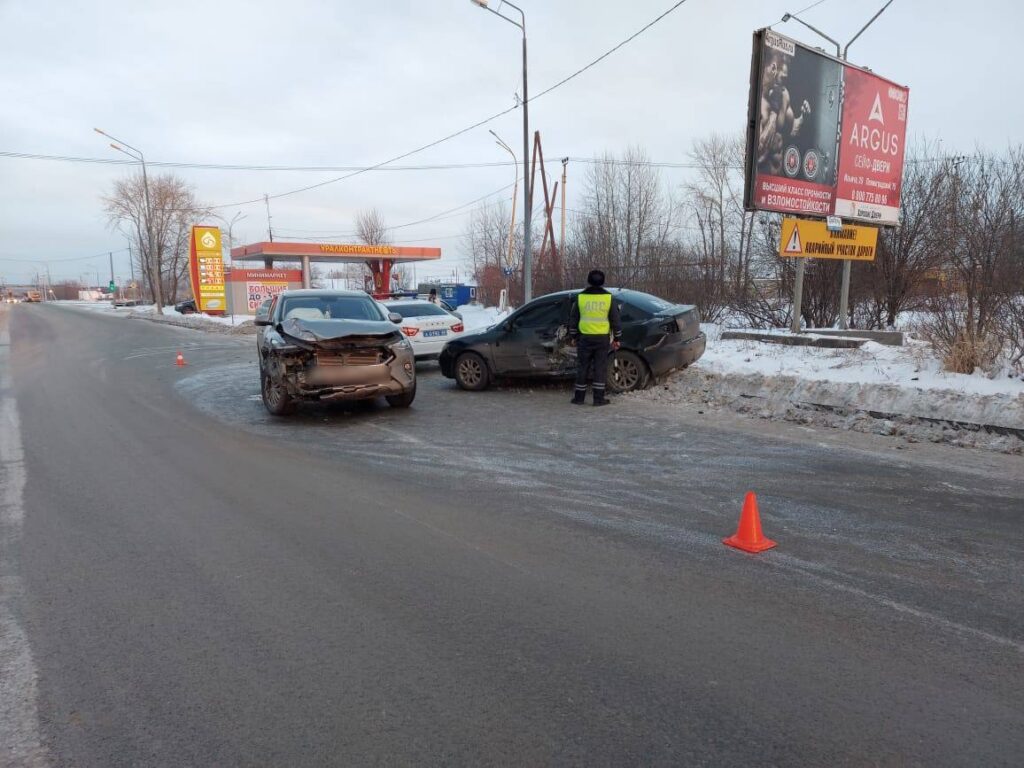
(793, 247)
(813, 240)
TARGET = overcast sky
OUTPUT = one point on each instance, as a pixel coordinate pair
(344, 83)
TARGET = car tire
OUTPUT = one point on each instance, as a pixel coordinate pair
(275, 398)
(471, 372)
(403, 400)
(627, 372)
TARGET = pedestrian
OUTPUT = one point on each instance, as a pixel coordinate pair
(595, 327)
(432, 298)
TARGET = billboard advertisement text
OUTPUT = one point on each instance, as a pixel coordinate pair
(258, 292)
(824, 138)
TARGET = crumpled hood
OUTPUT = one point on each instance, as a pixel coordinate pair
(327, 330)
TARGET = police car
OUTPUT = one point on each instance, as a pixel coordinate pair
(426, 325)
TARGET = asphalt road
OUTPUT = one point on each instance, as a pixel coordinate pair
(491, 578)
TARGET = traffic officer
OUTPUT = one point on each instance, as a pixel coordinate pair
(595, 327)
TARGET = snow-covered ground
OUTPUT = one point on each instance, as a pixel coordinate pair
(912, 366)
(899, 391)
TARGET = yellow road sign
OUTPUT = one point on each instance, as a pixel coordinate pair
(812, 240)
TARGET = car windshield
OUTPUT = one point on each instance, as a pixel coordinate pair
(330, 308)
(415, 308)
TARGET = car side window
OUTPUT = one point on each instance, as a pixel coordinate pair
(541, 316)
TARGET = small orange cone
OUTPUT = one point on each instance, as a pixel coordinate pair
(180, 359)
(749, 536)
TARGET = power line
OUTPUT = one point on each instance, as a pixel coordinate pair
(330, 235)
(608, 53)
(332, 168)
(252, 167)
(61, 261)
(478, 124)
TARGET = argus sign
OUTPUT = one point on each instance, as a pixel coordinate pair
(824, 138)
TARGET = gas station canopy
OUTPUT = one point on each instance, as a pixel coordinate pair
(379, 258)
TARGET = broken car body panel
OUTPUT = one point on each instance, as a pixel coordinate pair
(335, 358)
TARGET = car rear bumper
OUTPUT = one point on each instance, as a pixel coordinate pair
(429, 348)
(668, 357)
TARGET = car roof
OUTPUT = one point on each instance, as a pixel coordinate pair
(574, 291)
(321, 292)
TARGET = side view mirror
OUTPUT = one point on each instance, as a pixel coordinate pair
(394, 317)
(261, 320)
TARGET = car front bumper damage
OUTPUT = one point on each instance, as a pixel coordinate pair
(314, 373)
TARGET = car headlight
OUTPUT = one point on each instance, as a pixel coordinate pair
(400, 345)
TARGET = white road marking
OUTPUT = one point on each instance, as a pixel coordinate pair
(19, 715)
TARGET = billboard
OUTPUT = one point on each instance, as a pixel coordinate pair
(258, 292)
(251, 287)
(206, 270)
(824, 138)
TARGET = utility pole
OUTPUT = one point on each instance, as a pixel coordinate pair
(527, 192)
(270, 229)
(561, 242)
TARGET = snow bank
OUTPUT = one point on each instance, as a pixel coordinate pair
(912, 367)
(888, 390)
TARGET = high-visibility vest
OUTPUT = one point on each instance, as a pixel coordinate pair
(594, 309)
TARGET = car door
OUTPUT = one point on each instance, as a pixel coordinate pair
(527, 341)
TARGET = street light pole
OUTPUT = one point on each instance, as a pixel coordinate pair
(527, 213)
(515, 191)
(844, 291)
(154, 279)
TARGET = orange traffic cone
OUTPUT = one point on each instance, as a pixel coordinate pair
(180, 359)
(749, 536)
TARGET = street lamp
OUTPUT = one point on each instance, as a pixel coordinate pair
(515, 190)
(128, 149)
(844, 291)
(527, 234)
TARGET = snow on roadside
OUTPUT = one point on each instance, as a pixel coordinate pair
(898, 391)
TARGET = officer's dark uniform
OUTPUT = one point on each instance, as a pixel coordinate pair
(593, 321)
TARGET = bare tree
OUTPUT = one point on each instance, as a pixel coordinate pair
(715, 200)
(174, 209)
(978, 229)
(371, 228)
(486, 241)
(906, 257)
(626, 222)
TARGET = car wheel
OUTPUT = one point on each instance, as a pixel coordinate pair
(403, 400)
(471, 372)
(626, 372)
(275, 397)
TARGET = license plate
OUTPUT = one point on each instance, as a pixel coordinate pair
(428, 334)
